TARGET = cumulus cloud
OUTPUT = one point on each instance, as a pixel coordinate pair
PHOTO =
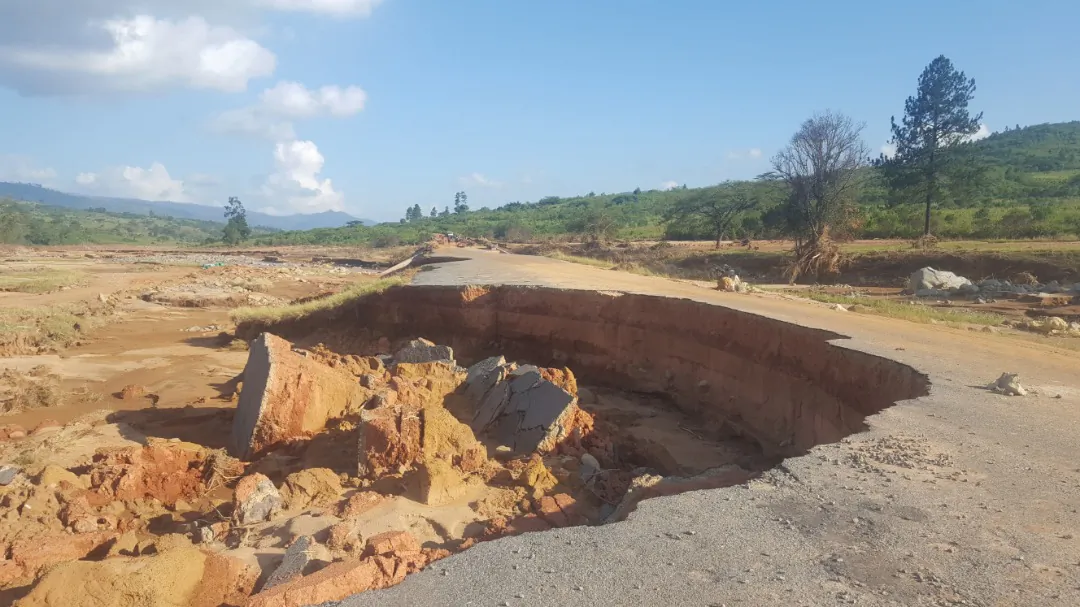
(296, 183)
(358, 8)
(153, 183)
(89, 46)
(669, 185)
(271, 118)
(145, 53)
(478, 180)
(888, 150)
(293, 100)
(23, 170)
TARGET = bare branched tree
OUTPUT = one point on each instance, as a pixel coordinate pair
(821, 167)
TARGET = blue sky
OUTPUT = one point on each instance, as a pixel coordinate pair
(371, 106)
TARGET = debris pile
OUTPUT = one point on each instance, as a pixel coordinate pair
(342, 472)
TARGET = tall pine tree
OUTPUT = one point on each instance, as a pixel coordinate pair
(930, 142)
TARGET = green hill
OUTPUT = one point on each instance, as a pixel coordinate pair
(1031, 189)
(38, 224)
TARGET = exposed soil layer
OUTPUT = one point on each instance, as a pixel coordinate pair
(783, 385)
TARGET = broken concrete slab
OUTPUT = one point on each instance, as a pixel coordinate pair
(423, 351)
(524, 408)
(303, 556)
(287, 396)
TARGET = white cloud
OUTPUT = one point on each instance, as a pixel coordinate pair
(296, 181)
(888, 150)
(293, 100)
(147, 53)
(982, 133)
(741, 154)
(669, 185)
(358, 8)
(153, 183)
(23, 170)
(478, 180)
(286, 101)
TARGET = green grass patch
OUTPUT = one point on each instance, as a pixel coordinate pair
(276, 314)
(904, 310)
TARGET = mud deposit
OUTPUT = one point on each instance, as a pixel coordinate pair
(351, 453)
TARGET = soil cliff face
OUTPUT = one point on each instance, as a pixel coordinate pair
(784, 385)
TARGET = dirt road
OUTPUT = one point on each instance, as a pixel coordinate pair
(962, 497)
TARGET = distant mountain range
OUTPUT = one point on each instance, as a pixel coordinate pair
(34, 193)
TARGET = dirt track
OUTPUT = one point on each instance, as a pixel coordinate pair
(962, 497)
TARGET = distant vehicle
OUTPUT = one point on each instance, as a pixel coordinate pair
(450, 237)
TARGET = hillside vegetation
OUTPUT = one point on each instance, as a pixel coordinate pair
(1031, 189)
(36, 224)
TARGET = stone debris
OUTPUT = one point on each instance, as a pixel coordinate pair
(255, 500)
(287, 396)
(527, 408)
(8, 474)
(311, 488)
(157, 521)
(423, 351)
(1009, 385)
(303, 556)
(929, 279)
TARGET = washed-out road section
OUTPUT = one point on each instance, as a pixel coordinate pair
(959, 497)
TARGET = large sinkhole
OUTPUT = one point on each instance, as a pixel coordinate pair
(687, 394)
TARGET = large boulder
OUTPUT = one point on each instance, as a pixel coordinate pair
(287, 396)
(929, 279)
(410, 424)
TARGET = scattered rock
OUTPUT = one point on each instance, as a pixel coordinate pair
(8, 474)
(132, 392)
(439, 482)
(359, 503)
(1009, 385)
(392, 542)
(926, 279)
(255, 499)
(313, 487)
(303, 556)
(12, 431)
(423, 351)
(53, 476)
(287, 396)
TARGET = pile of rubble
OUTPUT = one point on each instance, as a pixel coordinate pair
(939, 284)
(928, 282)
(356, 470)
